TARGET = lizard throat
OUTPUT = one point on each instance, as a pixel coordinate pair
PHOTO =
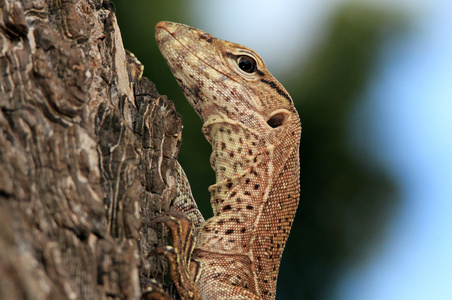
(236, 150)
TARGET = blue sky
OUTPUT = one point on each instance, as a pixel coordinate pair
(410, 128)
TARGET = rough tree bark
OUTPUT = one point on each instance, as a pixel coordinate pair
(87, 155)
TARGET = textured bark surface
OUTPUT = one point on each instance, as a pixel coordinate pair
(87, 155)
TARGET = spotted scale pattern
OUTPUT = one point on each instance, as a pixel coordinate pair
(254, 130)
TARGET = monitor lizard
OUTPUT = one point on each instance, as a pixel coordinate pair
(254, 129)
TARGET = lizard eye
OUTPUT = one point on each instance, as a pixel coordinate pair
(246, 64)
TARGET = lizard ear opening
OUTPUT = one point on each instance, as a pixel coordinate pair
(278, 118)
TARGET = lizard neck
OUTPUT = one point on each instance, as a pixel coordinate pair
(254, 200)
(243, 165)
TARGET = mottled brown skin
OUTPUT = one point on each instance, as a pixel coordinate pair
(254, 129)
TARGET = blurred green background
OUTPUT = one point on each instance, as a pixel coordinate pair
(348, 196)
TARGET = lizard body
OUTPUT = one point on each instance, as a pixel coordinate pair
(254, 129)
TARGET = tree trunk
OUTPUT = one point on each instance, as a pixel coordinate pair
(88, 152)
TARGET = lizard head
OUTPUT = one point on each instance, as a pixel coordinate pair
(229, 87)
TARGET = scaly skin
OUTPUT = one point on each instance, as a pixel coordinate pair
(254, 129)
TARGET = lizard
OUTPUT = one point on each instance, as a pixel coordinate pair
(254, 129)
